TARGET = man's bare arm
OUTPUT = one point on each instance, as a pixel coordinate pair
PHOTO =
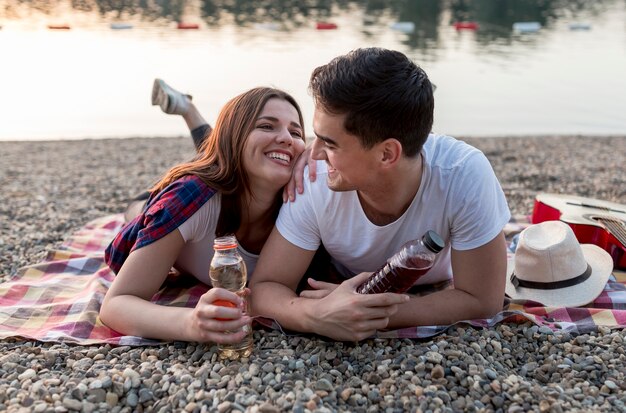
(343, 314)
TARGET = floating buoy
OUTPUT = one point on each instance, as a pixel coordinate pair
(121, 26)
(580, 26)
(325, 26)
(58, 27)
(367, 19)
(465, 25)
(406, 27)
(526, 27)
(187, 26)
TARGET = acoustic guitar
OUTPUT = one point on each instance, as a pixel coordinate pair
(593, 221)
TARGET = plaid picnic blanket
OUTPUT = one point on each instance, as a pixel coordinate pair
(58, 300)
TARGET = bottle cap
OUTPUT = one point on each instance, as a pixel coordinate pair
(433, 241)
(226, 242)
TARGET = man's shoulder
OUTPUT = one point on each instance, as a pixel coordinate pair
(446, 152)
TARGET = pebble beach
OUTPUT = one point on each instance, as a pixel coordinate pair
(52, 188)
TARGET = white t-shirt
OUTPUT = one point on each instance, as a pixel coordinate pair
(199, 233)
(459, 197)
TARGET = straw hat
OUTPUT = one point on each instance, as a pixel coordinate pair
(552, 268)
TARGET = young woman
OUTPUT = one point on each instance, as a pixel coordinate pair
(233, 186)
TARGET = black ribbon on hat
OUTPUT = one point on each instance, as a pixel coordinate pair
(554, 285)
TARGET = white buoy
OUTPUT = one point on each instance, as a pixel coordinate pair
(405, 27)
(367, 19)
(121, 26)
(526, 27)
(579, 26)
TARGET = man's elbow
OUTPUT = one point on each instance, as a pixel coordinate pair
(490, 306)
(261, 286)
(490, 311)
(259, 295)
(479, 304)
(255, 281)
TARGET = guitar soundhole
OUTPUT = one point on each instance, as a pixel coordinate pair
(605, 219)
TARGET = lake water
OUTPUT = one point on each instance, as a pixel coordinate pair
(93, 82)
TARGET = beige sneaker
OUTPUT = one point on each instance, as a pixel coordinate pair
(169, 99)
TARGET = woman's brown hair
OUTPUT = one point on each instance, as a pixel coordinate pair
(219, 162)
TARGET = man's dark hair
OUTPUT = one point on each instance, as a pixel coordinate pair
(383, 94)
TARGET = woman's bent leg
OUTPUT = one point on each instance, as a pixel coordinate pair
(199, 135)
(174, 102)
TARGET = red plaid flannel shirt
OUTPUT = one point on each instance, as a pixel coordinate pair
(164, 212)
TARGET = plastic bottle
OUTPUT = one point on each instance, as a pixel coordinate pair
(405, 267)
(228, 271)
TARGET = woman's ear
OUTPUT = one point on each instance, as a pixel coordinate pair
(391, 151)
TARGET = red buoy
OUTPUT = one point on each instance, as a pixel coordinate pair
(466, 25)
(58, 27)
(325, 26)
(187, 26)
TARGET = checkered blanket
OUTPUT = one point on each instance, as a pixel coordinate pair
(59, 299)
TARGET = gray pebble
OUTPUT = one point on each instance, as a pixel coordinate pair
(490, 374)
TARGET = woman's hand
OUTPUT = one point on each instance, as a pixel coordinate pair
(320, 289)
(218, 324)
(296, 183)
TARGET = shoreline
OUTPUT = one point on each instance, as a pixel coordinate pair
(52, 188)
(309, 138)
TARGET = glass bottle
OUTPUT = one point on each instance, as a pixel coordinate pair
(405, 267)
(228, 271)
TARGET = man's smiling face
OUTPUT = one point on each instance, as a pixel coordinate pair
(349, 163)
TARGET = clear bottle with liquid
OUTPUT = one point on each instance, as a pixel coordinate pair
(405, 267)
(228, 271)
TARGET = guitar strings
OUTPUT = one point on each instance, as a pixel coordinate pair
(616, 227)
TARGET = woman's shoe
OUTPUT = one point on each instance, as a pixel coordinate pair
(169, 99)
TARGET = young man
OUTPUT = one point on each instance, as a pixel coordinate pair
(383, 180)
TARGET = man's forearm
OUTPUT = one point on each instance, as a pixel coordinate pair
(282, 304)
(444, 308)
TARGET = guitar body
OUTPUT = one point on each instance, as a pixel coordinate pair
(593, 221)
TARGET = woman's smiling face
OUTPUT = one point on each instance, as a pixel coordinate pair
(273, 146)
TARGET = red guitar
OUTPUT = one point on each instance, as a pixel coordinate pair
(593, 221)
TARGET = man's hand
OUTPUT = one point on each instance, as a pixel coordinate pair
(297, 176)
(343, 314)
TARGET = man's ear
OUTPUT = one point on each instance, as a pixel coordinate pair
(390, 151)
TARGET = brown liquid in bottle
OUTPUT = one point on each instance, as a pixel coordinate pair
(396, 279)
(405, 267)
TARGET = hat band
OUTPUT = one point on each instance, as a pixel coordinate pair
(551, 285)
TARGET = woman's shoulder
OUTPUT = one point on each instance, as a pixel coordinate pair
(164, 212)
(190, 183)
(181, 198)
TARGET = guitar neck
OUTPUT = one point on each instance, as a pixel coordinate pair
(592, 206)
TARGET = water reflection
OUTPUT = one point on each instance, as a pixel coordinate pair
(495, 17)
(491, 80)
